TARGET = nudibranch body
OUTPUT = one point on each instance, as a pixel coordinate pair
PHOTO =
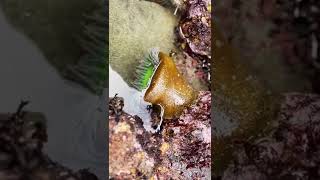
(165, 86)
(169, 89)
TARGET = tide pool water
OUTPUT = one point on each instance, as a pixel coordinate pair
(133, 99)
(76, 118)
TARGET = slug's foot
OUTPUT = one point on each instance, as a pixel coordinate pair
(158, 130)
(159, 127)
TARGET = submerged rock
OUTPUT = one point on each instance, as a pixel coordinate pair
(22, 136)
(243, 105)
(265, 46)
(181, 151)
(291, 151)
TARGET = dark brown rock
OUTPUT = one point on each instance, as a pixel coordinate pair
(22, 136)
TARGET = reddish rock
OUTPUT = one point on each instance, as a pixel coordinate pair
(181, 151)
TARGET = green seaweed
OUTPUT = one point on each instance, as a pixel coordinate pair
(91, 69)
(145, 70)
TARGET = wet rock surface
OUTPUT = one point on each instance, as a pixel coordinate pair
(22, 136)
(181, 151)
(290, 151)
(297, 27)
(191, 69)
(264, 34)
(194, 36)
(195, 27)
(297, 34)
(260, 45)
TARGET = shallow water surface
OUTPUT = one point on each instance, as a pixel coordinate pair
(133, 99)
(76, 119)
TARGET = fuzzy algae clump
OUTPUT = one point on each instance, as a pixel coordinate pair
(135, 27)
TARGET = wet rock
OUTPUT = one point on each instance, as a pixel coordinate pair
(194, 32)
(186, 148)
(245, 172)
(181, 151)
(290, 151)
(192, 71)
(300, 20)
(22, 136)
(195, 28)
(250, 27)
(127, 158)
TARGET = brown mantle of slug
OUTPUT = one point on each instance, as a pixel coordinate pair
(169, 89)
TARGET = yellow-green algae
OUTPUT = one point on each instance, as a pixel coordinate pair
(135, 27)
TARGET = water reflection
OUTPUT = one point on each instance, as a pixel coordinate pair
(76, 119)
